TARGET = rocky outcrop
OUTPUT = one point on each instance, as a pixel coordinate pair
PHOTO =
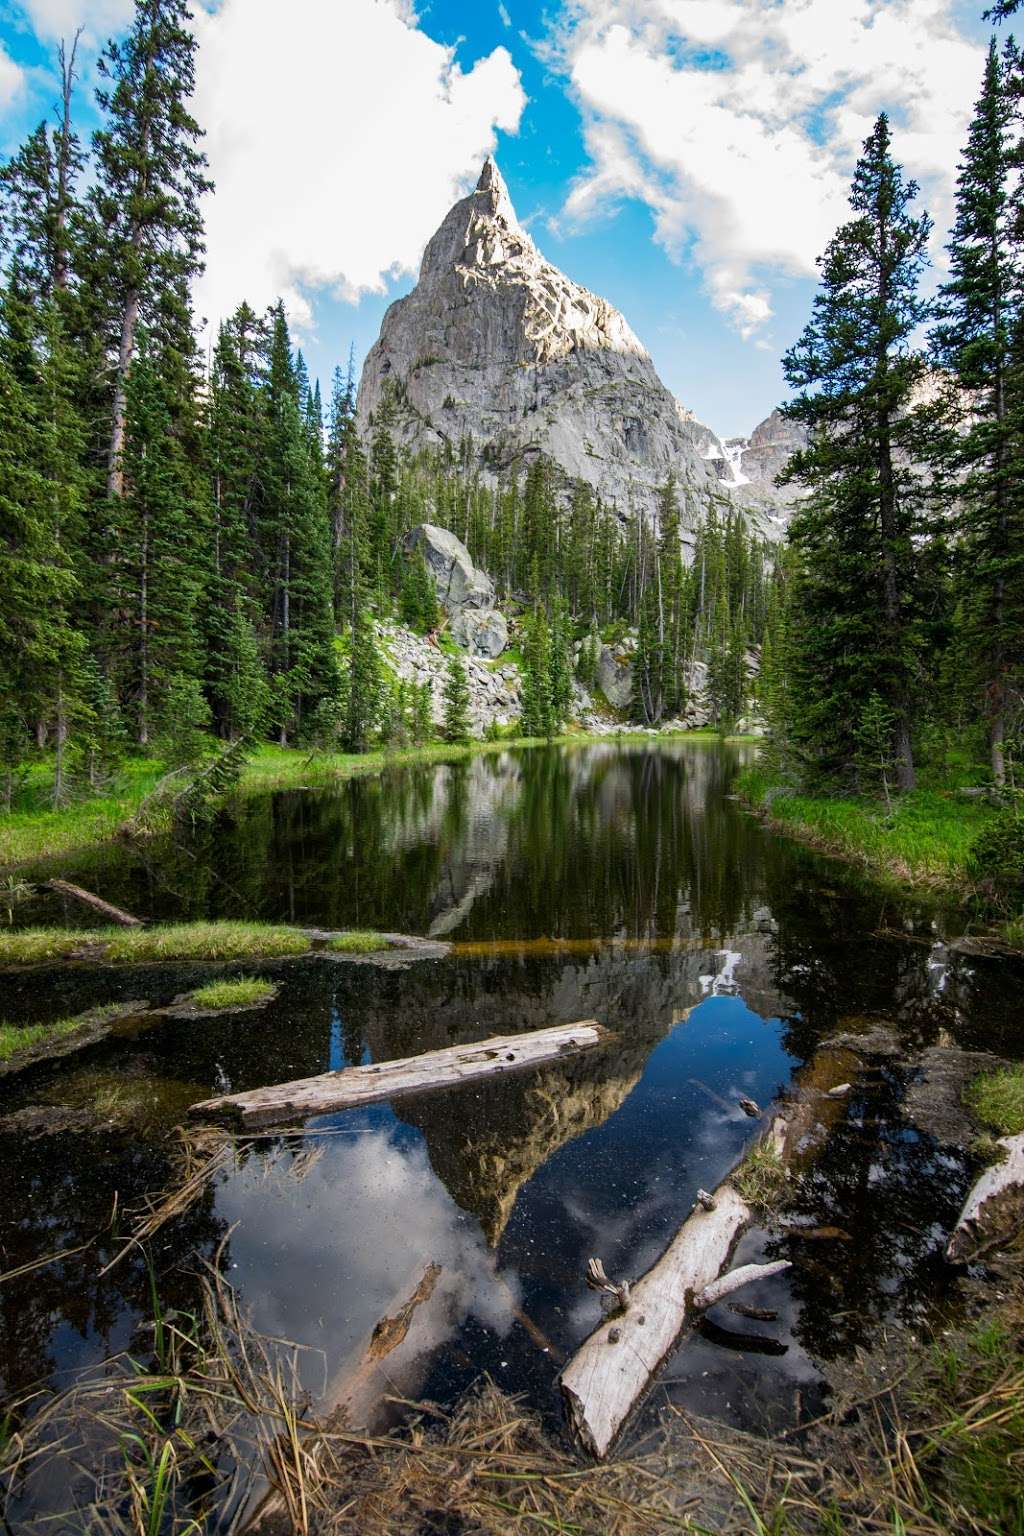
(498, 347)
(494, 692)
(481, 631)
(464, 591)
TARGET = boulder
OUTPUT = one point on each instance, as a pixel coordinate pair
(615, 676)
(460, 584)
(483, 631)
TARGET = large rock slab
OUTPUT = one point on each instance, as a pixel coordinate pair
(460, 584)
(482, 631)
(615, 675)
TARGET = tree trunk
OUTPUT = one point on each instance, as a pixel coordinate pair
(144, 636)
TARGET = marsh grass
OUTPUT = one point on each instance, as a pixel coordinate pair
(15, 1038)
(240, 992)
(997, 1100)
(927, 838)
(761, 1177)
(359, 942)
(224, 940)
(35, 946)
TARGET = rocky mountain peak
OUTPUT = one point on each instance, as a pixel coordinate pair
(495, 344)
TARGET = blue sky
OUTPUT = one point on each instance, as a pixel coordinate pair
(687, 159)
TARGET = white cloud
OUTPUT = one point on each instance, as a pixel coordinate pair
(12, 79)
(54, 19)
(738, 121)
(336, 138)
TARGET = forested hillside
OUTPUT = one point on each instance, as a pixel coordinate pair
(196, 552)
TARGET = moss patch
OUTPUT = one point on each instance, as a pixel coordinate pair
(997, 1099)
(359, 942)
(242, 992)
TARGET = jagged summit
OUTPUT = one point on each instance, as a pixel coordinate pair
(497, 345)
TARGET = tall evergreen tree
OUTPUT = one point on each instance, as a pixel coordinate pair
(979, 311)
(856, 369)
(456, 701)
(146, 228)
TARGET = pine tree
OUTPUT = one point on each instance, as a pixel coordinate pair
(418, 599)
(672, 683)
(296, 536)
(151, 633)
(978, 310)
(456, 701)
(146, 229)
(560, 664)
(537, 714)
(856, 371)
(648, 666)
(365, 685)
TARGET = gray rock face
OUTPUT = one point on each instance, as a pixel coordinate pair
(482, 631)
(765, 453)
(497, 345)
(615, 674)
(460, 584)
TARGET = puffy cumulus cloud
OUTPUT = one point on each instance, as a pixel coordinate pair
(738, 121)
(335, 133)
(12, 79)
(53, 19)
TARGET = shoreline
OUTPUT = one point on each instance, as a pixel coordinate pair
(921, 847)
(30, 838)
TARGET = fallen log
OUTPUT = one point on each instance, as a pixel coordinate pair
(743, 1274)
(353, 1087)
(995, 1182)
(88, 899)
(611, 1370)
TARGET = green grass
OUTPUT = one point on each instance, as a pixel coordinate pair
(997, 1099)
(761, 1177)
(34, 946)
(242, 992)
(228, 940)
(927, 838)
(15, 1038)
(36, 831)
(359, 942)
(1013, 932)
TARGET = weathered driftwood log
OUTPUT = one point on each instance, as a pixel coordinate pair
(978, 1211)
(351, 1088)
(115, 914)
(743, 1274)
(611, 1370)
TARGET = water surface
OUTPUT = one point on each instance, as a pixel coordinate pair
(616, 882)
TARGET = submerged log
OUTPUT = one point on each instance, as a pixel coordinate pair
(88, 899)
(351, 1088)
(979, 1211)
